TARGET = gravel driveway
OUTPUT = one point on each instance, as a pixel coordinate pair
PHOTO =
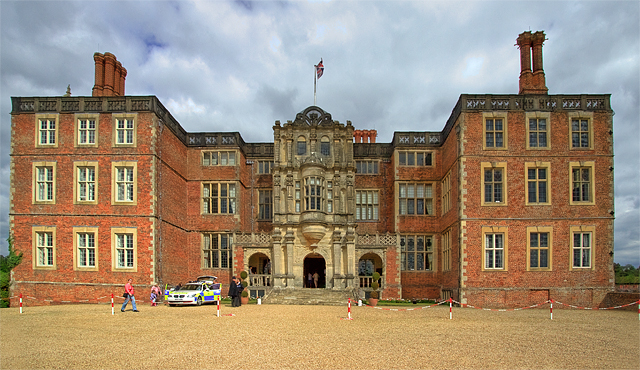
(315, 337)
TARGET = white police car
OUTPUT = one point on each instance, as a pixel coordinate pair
(203, 290)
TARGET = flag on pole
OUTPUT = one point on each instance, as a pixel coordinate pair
(319, 69)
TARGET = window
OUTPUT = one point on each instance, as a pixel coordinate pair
(44, 247)
(367, 167)
(446, 251)
(216, 251)
(302, 145)
(46, 130)
(124, 183)
(416, 252)
(87, 130)
(298, 196)
(124, 248)
(415, 199)
(218, 198)
(582, 183)
(44, 182)
(219, 158)
(494, 184)
(539, 248)
(446, 193)
(582, 244)
(329, 197)
(366, 205)
(125, 131)
(325, 146)
(86, 182)
(495, 248)
(313, 193)
(264, 167)
(418, 159)
(537, 175)
(538, 130)
(86, 248)
(495, 131)
(580, 132)
(265, 204)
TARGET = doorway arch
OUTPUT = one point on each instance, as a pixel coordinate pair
(315, 263)
(259, 270)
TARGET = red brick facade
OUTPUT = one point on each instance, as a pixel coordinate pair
(510, 204)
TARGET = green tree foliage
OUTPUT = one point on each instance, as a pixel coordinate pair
(7, 263)
(626, 274)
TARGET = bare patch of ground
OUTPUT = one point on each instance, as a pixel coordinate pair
(315, 337)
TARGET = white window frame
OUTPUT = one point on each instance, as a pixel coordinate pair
(125, 130)
(87, 131)
(44, 190)
(44, 246)
(220, 257)
(51, 133)
(120, 252)
(79, 244)
(367, 205)
(489, 244)
(230, 200)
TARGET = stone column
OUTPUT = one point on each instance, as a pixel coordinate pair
(338, 277)
(289, 239)
(351, 273)
(276, 262)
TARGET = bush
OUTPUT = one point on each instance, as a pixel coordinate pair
(373, 294)
(6, 265)
(243, 275)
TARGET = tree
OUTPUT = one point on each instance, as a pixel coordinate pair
(626, 274)
(6, 265)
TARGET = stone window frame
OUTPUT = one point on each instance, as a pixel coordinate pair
(374, 164)
(115, 232)
(55, 117)
(35, 232)
(219, 251)
(446, 250)
(319, 196)
(77, 130)
(592, 189)
(427, 252)
(35, 182)
(494, 165)
(231, 201)
(124, 116)
(325, 146)
(265, 207)
(300, 150)
(581, 115)
(537, 166)
(208, 157)
(265, 167)
(445, 187)
(77, 231)
(540, 230)
(496, 230)
(76, 181)
(114, 182)
(492, 116)
(399, 198)
(581, 230)
(415, 154)
(373, 206)
(538, 115)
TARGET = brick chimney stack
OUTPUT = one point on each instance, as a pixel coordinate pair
(532, 81)
(365, 136)
(109, 75)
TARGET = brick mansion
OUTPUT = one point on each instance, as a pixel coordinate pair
(510, 204)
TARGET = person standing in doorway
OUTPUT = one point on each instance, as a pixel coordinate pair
(128, 289)
(233, 291)
(315, 279)
(309, 280)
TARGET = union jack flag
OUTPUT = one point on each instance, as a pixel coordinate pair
(319, 69)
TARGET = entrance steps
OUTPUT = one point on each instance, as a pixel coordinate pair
(309, 296)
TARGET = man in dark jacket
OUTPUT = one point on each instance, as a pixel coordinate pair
(233, 291)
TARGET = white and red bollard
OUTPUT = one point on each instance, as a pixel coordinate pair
(450, 306)
(349, 310)
(218, 308)
(638, 309)
(551, 308)
(112, 310)
(21, 303)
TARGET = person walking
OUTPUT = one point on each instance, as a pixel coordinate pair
(315, 278)
(128, 290)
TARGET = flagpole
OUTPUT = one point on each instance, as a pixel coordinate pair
(315, 78)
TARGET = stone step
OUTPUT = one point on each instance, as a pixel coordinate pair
(306, 296)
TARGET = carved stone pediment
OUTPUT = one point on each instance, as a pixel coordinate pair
(313, 116)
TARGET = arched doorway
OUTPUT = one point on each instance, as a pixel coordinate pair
(314, 263)
(259, 270)
(367, 265)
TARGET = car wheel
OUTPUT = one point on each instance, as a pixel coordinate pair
(199, 301)
(172, 305)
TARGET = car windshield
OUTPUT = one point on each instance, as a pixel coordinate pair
(192, 287)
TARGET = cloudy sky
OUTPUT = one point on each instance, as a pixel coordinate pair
(389, 65)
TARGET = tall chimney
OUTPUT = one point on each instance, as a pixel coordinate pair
(110, 75)
(531, 82)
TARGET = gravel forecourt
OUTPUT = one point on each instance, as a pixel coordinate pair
(87, 336)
